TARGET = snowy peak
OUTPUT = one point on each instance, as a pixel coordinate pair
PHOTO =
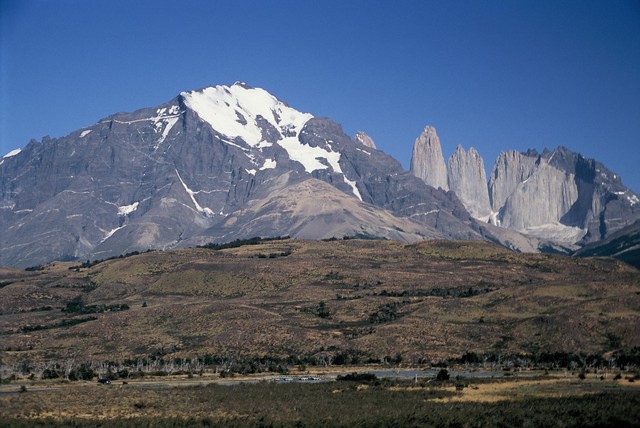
(251, 114)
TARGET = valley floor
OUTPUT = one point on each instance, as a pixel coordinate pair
(556, 400)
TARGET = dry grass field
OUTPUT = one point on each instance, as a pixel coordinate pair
(430, 301)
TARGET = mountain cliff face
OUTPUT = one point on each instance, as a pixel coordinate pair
(427, 162)
(467, 178)
(510, 169)
(560, 195)
(215, 164)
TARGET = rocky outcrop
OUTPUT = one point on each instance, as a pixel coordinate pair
(467, 178)
(427, 161)
(362, 138)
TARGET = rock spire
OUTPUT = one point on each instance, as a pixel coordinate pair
(427, 161)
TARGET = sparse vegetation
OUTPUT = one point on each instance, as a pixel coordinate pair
(89, 263)
(334, 303)
(243, 242)
(355, 401)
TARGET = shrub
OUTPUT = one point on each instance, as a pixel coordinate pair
(50, 374)
(322, 310)
(442, 376)
(83, 372)
(358, 377)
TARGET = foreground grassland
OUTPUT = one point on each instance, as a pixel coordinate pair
(159, 323)
(539, 402)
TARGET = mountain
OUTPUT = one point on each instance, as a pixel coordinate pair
(211, 165)
(232, 162)
(559, 198)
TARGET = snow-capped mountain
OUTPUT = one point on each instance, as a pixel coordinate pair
(229, 162)
(210, 165)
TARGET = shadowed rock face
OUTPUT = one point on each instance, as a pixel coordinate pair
(195, 169)
(427, 162)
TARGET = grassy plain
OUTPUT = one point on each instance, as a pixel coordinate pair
(548, 401)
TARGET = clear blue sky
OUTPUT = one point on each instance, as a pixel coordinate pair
(493, 74)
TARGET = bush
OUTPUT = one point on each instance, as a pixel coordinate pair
(358, 377)
(322, 310)
(442, 376)
(82, 372)
(50, 374)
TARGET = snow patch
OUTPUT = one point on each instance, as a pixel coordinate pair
(551, 157)
(268, 164)
(111, 232)
(306, 155)
(633, 200)
(221, 106)
(356, 192)
(206, 211)
(11, 153)
(127, 209)
(493, 218)
(426, 213)
(363, 151)
(169, 122)
(85, 133)
(251, 171)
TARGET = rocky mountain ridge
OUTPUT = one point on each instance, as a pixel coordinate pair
(558, 196)
(232, 162)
